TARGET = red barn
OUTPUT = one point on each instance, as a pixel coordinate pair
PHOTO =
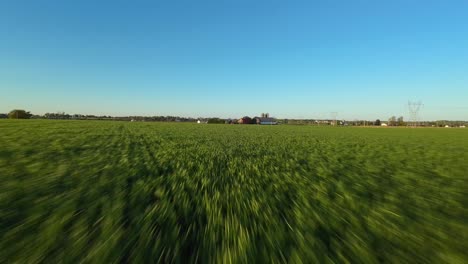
(245, 120)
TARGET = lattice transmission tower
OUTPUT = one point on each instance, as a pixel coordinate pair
(413, 108)
(333, 116)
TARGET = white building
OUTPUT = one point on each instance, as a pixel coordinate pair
(265, 119)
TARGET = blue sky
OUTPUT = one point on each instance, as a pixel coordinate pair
(294, 59)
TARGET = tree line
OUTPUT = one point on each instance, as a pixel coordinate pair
(392, 121)
(23, 114)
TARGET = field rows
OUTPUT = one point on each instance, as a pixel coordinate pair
(158, 192)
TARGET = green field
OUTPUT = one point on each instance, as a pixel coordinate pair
(108, 192)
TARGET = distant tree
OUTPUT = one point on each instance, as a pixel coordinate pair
(215, 121)
(392, 121)
(377, 122)
(19, 114)
(400, 121)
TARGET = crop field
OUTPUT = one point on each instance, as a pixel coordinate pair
(135, 192)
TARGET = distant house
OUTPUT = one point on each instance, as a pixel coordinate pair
(462, 126)
(384, 125)
(265, 119)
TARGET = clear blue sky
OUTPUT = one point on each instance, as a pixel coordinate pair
(294, 59)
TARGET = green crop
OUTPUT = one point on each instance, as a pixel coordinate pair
(108, 192)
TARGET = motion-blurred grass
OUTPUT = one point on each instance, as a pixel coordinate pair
(107, 192)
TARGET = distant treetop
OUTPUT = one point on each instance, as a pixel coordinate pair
(19, 114)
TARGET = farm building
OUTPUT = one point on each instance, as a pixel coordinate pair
(245, 120)
(265, 119)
